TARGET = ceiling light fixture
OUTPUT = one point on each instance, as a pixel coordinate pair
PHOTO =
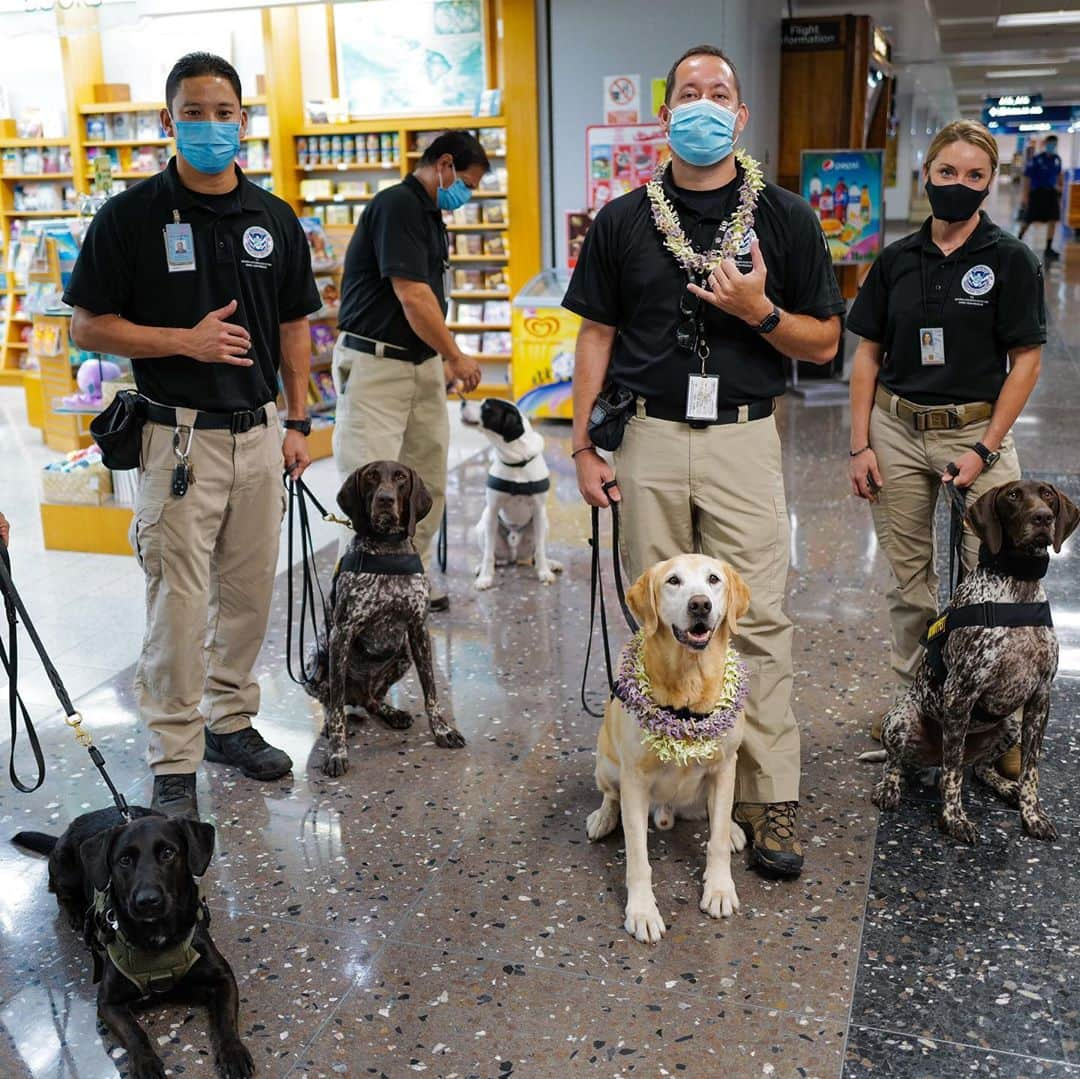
(1038, 18)
(1023, 73)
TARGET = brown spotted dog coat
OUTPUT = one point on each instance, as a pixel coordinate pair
(378, 624)
(1002, 675)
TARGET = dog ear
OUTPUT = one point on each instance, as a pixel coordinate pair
(1065, 520)
(94, 855)
(738, 597)
(642, 602)
(985, 522)
(353, 503)
(419, 501)
(199, 839)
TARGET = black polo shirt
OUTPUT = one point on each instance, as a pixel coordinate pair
(986, 297)
(626, 278)
(401, 234)
(122, 270)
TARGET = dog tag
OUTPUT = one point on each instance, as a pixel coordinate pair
(701, 398)
(932, 346)
(179, 247)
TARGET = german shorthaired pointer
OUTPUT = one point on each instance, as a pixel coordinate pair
(379, 603)
(996, 664)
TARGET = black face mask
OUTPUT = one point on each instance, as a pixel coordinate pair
(954, 202)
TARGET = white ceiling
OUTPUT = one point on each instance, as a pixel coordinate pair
(949, 50)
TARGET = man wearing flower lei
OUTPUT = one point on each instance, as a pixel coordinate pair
(693, 289)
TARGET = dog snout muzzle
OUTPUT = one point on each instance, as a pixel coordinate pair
(699, 607)
(1042, 520)
(148, 902)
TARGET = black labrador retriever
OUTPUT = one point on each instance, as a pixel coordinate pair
(379, 605)
(995, 691)
(131, 890)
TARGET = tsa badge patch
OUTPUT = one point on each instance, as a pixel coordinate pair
(978, 281)
(258, 243)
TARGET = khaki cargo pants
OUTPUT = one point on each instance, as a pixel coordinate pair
(209, 560)
(720, 491)
(912, 463)
(392, 410)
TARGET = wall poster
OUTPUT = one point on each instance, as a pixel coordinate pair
(844, 187)
(620, 157)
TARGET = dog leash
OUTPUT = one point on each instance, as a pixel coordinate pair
(15, 610)
(957, 512)
(596, 597)
(299, 497)
(441, 543)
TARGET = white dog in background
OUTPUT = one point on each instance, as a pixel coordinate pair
(513, 527)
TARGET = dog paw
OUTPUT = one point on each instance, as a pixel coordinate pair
(644, 923)
(960, 828)
(601, 822)
(395, 718)
(555, 567)
(664, 818)
(720, 902)
(1039, 826)
(234, 1061)
(886, 795)
(738, 838)
(484, 582)
(336, 763)
(450, 738)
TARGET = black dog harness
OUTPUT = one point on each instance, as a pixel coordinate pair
(405, 564)
(512, 487)
(990, 615)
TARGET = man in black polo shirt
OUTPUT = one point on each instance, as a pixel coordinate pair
(395, 356)
(699, 467)
(204, 280)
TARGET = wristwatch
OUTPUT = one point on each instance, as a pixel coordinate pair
(769, 322)
(303, 426)
(989, 458)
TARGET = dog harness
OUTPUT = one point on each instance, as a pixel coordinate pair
(990, 615)
(513, 487)
(405, 564)
(150, 972)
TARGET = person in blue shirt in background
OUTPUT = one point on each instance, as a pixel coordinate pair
(1044, 181)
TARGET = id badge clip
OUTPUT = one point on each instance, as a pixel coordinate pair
(932, 346)
(179, 245)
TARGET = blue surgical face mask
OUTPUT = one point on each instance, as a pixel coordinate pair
(208, 146)
(702, 132)
(454, 196)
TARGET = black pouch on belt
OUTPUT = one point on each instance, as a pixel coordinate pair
(118, 431)
(609, 416)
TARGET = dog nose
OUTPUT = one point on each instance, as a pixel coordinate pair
(384, 498)
(148, 901)
(1042, 519)
(699, 606)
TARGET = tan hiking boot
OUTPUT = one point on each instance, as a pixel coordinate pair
(1008, 764)
(770, 827)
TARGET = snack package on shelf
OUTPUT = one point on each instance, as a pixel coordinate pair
(497, 343)
(494, 212)
(81, 477)
(323, 257)
(469, 280)
(492, 139)
(496, 281)
(495, 243)
(469, 243)
(97, 127)
(331, 297)
(339, 214)
(470, 313)
(497, 312)
(469, 343)
(322, 342)
(323, 384)
(148, 126)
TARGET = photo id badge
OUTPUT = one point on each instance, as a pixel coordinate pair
(179, 247)
(932, 346)
(701, 398)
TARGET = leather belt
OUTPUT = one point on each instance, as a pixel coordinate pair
(926, 418)
(658, 410)
(237, 422)
(379, 349)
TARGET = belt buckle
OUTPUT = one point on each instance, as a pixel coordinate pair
(242, 422)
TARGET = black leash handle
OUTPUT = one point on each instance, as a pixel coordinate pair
(441, 548)
(596, 598)
(15, 609)
(299, 496)
(957, 512)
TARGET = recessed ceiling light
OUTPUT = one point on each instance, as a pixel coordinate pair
(1022, 73)
(1039, 18)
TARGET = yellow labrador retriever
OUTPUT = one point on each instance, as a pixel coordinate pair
(671, 732)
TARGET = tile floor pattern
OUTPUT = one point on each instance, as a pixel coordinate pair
(442, 913)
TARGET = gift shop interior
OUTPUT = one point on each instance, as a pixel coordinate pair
(443, 911)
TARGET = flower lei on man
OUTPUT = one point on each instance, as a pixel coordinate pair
(697, 263)
(679, 735)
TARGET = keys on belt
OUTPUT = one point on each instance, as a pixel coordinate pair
(183, 474)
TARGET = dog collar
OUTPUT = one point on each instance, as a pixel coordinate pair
(149, 971)
(519, 464)
(679, 735)
(1024, 567)
(512, 487)
(403, 564)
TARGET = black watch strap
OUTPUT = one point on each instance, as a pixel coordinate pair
(989, 457)
(770, 321)
(303, 426)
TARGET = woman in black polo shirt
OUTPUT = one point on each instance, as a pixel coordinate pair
(952, 320)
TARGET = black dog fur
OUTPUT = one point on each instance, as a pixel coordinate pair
(149, 868)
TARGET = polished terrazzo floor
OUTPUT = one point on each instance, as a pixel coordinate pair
(442, 912)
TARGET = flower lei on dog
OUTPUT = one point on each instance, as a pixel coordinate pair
(679, 735)
(667, 220)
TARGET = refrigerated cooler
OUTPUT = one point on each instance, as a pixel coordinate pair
(544, 338)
